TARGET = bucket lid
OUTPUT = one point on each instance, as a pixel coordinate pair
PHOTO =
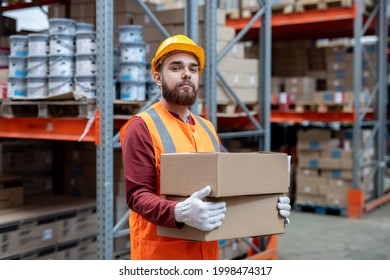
(60, 77)
(61, 35)
(85, 55)
(130, 26)
(36, 57)
(37, 78)
(37, 35)
(62, 20)
(133, 63)
(23, 37)
(21, 79)
(60, 55)
(85, 33)
(86, 24)
(136, 83)
(85, 77)
(17, 57)
(143, 44)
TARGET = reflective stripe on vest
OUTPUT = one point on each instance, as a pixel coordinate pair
(169, 146)
(205, 127)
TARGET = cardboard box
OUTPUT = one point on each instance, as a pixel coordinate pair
(11, 197)
(228, 174)
(246, 216)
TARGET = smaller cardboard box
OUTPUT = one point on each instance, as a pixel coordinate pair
(246, 216)
(228, 174)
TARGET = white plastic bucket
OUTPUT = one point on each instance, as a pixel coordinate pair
(17, 66)
(37, 87)
(37, 66)
(16, 87)
(149, 74)
(18, 45)
(133, 91)
(61, 65)
(38, 44)
(135, 52)
(61, 44)
(62, 26)
(4, 54)
(130, 34)
(86, 85)
(85, 65)
(152, 89)
(132, 72)
(82, 27)
(86, 43)
(60, 85)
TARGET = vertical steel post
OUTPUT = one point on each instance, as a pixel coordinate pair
(381, 103)
(104, 153)
(210, 73)
(357, 87)
(265, 77)
(191, 23)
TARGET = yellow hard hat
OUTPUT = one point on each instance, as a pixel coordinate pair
(178, 43)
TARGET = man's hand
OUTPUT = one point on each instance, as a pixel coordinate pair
(199, 214)
(284, 208)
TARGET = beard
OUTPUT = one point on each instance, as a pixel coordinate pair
(179, 96)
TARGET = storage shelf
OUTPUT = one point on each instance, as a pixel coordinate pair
(334, 22)
(23, 5)
(242, 123)
(48, 128)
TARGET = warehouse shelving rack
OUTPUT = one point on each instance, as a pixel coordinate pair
(101, 126)
(346, 22)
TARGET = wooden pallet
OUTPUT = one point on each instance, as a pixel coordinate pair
(51, 108)
(304, 5)
(285, 8)
(248, 12)
(234, 110)
(125, 109)
(320, 209)
(328, 107)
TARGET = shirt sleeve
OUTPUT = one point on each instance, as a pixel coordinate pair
(141, 177)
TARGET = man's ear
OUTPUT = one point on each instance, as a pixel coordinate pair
(157, 78)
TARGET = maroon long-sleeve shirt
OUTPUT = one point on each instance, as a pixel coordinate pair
(141, 176)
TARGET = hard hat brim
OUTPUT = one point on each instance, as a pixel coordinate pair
(177, 47)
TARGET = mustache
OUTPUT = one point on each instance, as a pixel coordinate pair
(186, 83)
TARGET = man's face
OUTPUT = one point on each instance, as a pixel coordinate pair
(180, 76)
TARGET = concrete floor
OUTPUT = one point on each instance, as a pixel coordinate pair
(325, 237)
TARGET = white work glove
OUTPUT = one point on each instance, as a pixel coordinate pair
(284, 208)
(199, 214)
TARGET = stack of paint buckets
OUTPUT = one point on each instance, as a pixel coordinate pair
(152, 89)
(17, 67)
(132, 72)
(37, 65)
(86, 68)
(61, 55)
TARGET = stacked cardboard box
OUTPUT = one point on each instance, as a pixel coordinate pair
(79, 177)
(339, 65)
(325, 166)
(11, 191)
(249, 183)
(39, 228)
(32, 161)
(290, 58)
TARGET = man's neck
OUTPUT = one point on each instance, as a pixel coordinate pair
(181, 111)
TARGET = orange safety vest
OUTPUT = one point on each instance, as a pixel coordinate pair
(170, 135)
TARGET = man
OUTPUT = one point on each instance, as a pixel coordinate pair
(169, 127)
